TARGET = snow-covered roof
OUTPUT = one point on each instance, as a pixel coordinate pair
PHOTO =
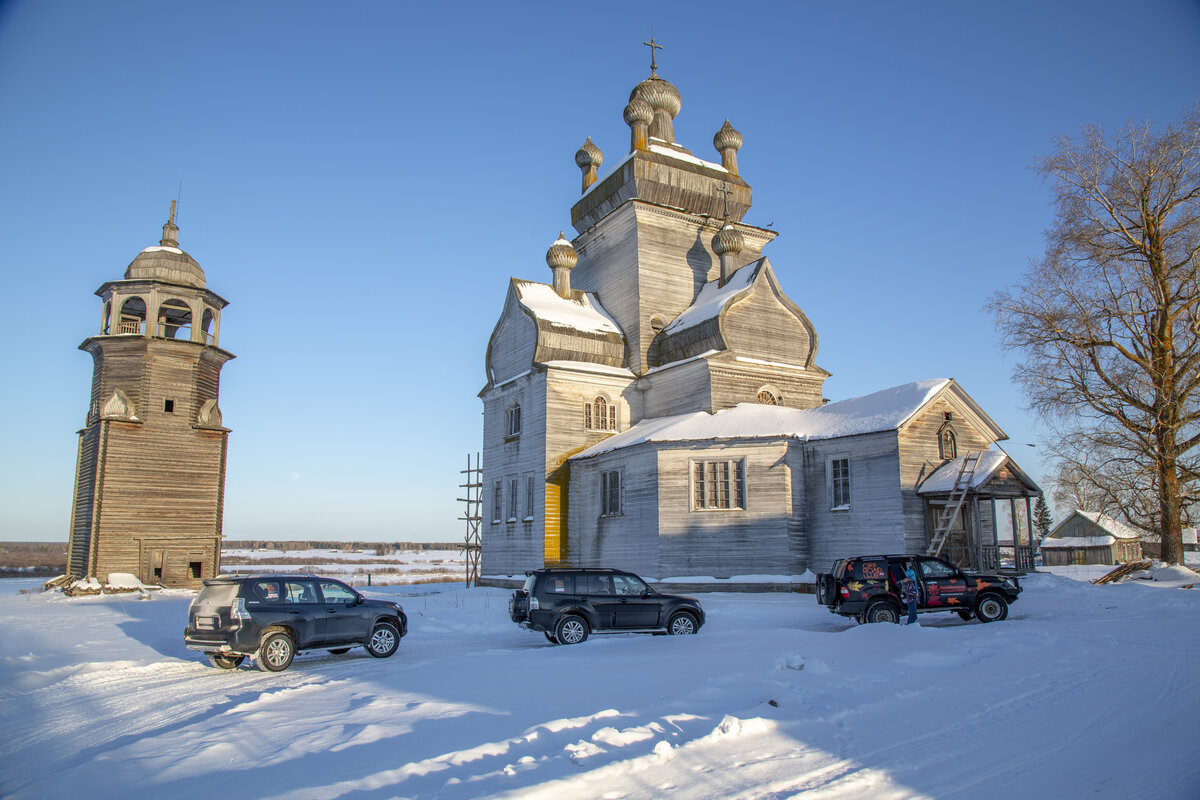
(582, 313)
(671, 152)
(944, 477)
(587, 366)
(1111, 526)
(881, 411)
(713, 298)
(1064, 542)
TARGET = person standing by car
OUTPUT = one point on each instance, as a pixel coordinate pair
(908, 593)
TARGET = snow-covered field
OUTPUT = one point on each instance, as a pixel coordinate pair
(1085, 691)
(353, 566)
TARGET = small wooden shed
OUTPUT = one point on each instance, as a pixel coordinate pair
(1088, 537)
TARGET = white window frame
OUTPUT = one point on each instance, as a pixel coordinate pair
(512, 421)
(612, 492)
(513, 486)
(840, 494)
(717, 484)
(600, 414)
(497, 502)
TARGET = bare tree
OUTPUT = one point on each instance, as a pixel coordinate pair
(1108, 321)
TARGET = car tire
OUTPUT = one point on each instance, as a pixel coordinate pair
(681, 623)
(550, 637)
(226, 662)
(571, 629)
(882, 611)
(276, 652)
(337, 651)
(966, 614)
(385, 638)
(991, 608)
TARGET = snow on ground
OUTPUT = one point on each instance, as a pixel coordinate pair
(1084, 691)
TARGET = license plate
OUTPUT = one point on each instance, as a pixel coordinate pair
(206, 623)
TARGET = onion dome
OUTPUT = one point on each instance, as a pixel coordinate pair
(637, 111)
(726, 138)
(589, 155)
(660, 94)
(561, 254)
(728, 240)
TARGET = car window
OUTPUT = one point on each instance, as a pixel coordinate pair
(529, 582)
(337, 593)
(628, 585)
(266, 592)
(558, 584)
(931, 568)
(594, 584)
(300, 592)
(870, 569)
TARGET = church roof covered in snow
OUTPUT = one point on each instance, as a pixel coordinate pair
(884, 410)
(713, 298)
(582, 312)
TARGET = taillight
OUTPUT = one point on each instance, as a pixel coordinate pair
(533, 604)
(237, 613)
(845, 593)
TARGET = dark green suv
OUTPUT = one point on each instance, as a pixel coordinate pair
(568, 604)
(270, 618)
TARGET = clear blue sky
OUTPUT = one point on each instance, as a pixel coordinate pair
(360, 180)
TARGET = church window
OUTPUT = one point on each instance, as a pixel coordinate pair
(512, 420)
(610, 493)
(497, 502)
(529, 484)
(512, 500)
(947, 443)
(839, 483)
(600, 415)
(767, 398)
(717, 485)
(169, 406)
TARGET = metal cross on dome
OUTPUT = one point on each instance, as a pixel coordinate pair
(653, 64)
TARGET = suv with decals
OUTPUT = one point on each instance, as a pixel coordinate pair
(868, 589)
(270, 618)
(568, 604)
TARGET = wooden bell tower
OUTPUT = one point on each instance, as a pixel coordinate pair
(150, 473)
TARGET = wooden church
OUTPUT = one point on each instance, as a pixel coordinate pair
(657, 405)
(150, 474)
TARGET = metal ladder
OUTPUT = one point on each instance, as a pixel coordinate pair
(950, 512)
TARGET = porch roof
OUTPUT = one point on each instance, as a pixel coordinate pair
(942, 479)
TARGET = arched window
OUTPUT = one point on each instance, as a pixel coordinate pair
(174, 320)
(767, 398)
(948, 444)
(600, 415)
(133, 316)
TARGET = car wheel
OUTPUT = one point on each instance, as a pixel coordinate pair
(276, 652)
(384, 640)
(883, 611)
(681, 624)
(965, 613)
(337, 651)
(550, 637)
(991, 608)
(571, 630)
(226, 662)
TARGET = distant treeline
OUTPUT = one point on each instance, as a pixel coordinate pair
(32, 559)
(382, 548)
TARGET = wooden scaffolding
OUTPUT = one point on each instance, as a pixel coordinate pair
(473, 499)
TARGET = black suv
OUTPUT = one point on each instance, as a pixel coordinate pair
(868, 589)
(568, 604)
(270, 618)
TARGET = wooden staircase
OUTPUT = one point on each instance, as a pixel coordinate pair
(953, 505)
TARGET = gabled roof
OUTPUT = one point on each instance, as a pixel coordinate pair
(1110, 526)
(942, 479)
(884, 410)
(713, 298)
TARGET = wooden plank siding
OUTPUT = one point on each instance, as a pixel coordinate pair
(874, 522)
(920, 456)
(153, 476)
